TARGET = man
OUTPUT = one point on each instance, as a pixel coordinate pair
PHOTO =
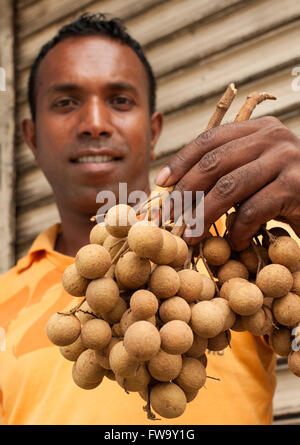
(94, 124)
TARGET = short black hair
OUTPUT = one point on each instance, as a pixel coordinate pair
(92, 25)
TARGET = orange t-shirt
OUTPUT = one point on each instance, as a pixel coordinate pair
(36, 386)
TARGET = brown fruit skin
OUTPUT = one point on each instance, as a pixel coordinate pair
(103, 355)
(274, 280)
(142, 340)
(168, 252)
(216, 250)
(284, 250)
(92, 261)
(168, 400)
(119, 219)
(115, 315)
(191, 285)
(220, 342)
(80, 381)
(175, 308)
(102, 295)
(145, 240)
(82, 316)
(280, 340)
(88, 367)
(192, 375)
(132, 271)
(165, 367)
(128, 318)
(249, 258)
(113, 244)
(208, 288)
(98, 234)
(294, 362)
(72, 351)
(203, 359)
(137, 382)
(164, 282)
(260, 323)
(229, 285)
(207, 319)
(121, 362)
(116, 330)
(232, 269)
(176, 337)
(63, 330)
(182, 253)
(190, 396)
(286, 309)
(228, 313)
(296, 283)
(238, 325)
(143, 304)
(198, 347)
(96, 334)
(246, 300)
(74, 283)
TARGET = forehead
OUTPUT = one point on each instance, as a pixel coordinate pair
(89, 60)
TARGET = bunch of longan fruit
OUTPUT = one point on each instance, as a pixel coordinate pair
(149, 316)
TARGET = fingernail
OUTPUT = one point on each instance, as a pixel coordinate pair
(163, 176)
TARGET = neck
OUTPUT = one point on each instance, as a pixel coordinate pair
(76, 229)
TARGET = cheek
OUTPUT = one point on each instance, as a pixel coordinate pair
(137, 132)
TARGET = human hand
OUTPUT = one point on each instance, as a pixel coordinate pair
(255, 163)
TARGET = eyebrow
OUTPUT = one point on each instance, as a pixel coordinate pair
(74, 87)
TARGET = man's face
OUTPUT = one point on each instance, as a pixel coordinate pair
(93, 126)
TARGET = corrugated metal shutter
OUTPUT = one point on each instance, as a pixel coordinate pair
(195, 47)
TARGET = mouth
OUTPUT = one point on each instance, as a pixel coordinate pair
(98, 159)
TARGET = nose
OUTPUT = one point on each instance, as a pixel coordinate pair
(94, 120)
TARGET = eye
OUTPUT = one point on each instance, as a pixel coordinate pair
(122, 102)
(63, 103)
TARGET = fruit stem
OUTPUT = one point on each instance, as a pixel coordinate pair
(214, 378)
(259, 258)
(72, 311)
(122, 250)
(207, 267)
(271, 237)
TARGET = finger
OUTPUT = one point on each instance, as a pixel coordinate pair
(254, 212)
(222, 160)
(185, 158)
(238, 185)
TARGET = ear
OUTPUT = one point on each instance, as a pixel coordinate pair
(156, 127)
(28, 132)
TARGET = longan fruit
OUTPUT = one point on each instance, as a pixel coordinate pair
(137, 382)
(182, 253)
(280, 340)
(246, 300)
(259, 323)
(88, 368)
(274, 280)
(83, 317)
(164, 282)
(115, 315)
(128, 318)
(168, 252)
(228, 313)
(80, 381)
(74, 283)
(143, 304)
(232, 269)
(103, 354)
(208, 288)
(145, 240)
(275, 231)
(132, 271)
(62, 330)
(176, 337)
(142, 340)
(165, 367)
(249, 258)
(116, 330)
(286, 309)
(203, 359)
(111, 272)
(168, 400)
(102, 295)
(284, 250)
(98, 234)
(191, 395)
(220, 341)
(72, 352)
(230, 285)
(113, 244)
(296, 282)
(294, 362)
(191, 285)
(207, 319)
(268, 301)
(92, 261)
(238, 325)
(121, 362)
(119, 219)
(192, 375)
(96, 334)
(175, 308)
(216, 250)
(198, 347)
